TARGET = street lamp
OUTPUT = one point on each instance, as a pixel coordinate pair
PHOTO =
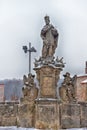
(31, 49)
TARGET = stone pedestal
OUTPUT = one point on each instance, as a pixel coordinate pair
(26, 114)
(47, 104)
(48, 76)
(70, 116)
(47, 114)
(83, 108)
(8, 114)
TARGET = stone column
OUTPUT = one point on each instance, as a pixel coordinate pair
(48, 70)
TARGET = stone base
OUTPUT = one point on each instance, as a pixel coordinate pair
(83, 108)
(47, 114)
(8, 113)
(26, 113)
(44, 114)
(70, 116)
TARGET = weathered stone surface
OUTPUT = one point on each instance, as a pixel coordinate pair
(9, 121)
(17, 114)
(48, 77)
(69, 122)
(30, 92)
(70, 115)
(83, 114)
(49, 35)
(47, 114)
(67, 90)
(70, 109)
(62, 93)
(26, 113)
(0, 120)
(8, 114)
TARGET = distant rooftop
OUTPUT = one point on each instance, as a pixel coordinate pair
(84, 81)
(81, 75)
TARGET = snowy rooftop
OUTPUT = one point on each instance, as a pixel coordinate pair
(84, 81)
(81, 75)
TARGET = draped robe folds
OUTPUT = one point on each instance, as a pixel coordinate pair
(50, 37)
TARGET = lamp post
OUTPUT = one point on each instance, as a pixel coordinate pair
(31, 49)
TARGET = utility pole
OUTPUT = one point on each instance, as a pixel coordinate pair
(30, 50)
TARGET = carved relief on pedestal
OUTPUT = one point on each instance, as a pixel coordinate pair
(47, 114)
(48, 77)
(47, 87)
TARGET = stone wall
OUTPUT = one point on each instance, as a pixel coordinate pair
(15, 114)
(73, 115)
(70, 115)
(26, 115)
(64, 115)
(83, 108)
(8, 114)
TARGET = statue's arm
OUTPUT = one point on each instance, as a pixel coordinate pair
(46, 28)
(55, 32)
(42, 34)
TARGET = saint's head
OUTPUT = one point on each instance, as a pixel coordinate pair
(47, 20)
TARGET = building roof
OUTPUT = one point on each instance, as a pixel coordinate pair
(82, 75)
(84, 81)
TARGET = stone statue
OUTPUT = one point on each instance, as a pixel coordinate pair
(69, 88)
(49, 36)
(29, 90)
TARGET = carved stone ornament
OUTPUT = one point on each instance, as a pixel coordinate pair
(58, 62)
(29, 89)
(48, 77)
(67, 90)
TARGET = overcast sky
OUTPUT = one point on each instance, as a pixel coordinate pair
(21, 22)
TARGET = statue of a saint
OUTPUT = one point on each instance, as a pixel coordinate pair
(49, 36)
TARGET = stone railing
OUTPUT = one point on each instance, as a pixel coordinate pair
(15, 114)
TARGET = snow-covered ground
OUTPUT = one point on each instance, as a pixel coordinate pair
(19, 128)
(15, 128)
